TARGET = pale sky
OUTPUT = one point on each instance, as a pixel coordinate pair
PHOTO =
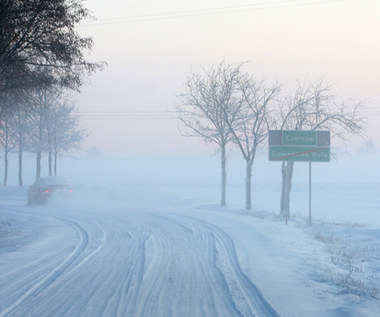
(150, 46)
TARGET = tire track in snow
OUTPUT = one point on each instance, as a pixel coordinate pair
(180, 277)
(81, 261)
(53, 275)
(106, 284)
(207, 281)
(246, 296)
(145, 264)
(127, 290)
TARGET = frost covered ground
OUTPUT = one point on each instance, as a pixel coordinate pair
(170, 250)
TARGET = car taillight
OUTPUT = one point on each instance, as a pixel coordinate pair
(46, 190)
(70, 190)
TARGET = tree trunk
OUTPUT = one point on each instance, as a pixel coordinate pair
(224, 175)
(55, 162)
(20, 182)
(5, 166)
(50, 164)
(283, 187)
(288, 187)
(248, 186)
(38, 168)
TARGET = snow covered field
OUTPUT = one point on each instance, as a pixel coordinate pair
(167, 249)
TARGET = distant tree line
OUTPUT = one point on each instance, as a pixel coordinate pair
(228, 106)
(41, 57)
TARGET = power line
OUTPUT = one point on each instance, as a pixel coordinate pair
(157, 115)
(209, 11)
(128, 115)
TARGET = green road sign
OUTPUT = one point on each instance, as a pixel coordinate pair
(298, 145)
(299, 138)
(299, 154)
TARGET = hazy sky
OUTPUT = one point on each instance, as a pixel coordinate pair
(150, 45)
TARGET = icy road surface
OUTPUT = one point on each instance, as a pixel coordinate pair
(116, 260)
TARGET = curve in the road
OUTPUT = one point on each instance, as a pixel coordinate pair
(142, 264)
(49, 278)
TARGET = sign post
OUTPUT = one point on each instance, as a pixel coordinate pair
(310, 193)
(300, 146)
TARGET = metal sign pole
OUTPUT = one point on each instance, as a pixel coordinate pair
(310, 193)
(300, 146)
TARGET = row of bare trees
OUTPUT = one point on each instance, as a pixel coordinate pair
(227, 105)
(41, 55)
(39, 122)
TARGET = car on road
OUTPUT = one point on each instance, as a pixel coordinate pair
(46, 187)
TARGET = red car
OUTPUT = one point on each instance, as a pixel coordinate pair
(46, 187)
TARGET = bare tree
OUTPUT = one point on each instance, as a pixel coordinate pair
(209, 99)
(7, 139)
(44, 103)
(314, 107)
(39, 44)
(19, 122)
(41, 101)
(54, 127)
(250, 128)
(64, 132)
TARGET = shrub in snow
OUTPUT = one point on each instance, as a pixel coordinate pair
(348, 265)
(347, 270)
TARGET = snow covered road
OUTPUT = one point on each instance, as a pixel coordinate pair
(139, 250)
(119, 261)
